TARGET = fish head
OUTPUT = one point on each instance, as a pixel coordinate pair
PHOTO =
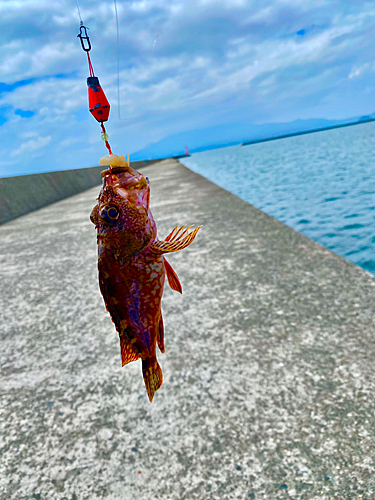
(122, 216)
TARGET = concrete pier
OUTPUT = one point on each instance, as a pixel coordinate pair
(269, 375)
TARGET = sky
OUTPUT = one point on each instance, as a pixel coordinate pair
(184, 65)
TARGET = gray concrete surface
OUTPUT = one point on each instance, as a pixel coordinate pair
(22, 194)
(268, 373)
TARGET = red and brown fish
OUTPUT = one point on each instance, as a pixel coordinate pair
(132, 266)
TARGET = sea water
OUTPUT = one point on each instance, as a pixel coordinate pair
(320, 184)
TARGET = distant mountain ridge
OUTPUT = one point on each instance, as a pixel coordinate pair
(231, 134)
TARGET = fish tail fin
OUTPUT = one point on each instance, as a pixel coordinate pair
(173, 280)
(160, 336)
(152, 375)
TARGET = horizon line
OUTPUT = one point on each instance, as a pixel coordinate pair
(304, 132)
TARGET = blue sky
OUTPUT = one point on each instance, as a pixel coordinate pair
(184, 65)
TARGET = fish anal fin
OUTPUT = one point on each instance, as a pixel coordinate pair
(129, 352)
(173, 280)
(152, 375)
(160, 336)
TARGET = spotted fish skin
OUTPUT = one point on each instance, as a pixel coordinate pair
(132, 267)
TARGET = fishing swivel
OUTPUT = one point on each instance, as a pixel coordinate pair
(84, 36)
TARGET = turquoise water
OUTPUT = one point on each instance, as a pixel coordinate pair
(321, 184)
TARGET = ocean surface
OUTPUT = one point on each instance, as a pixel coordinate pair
(321, 184)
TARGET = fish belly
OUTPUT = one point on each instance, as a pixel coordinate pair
(132, 293)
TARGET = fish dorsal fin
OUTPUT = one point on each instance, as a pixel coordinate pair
(175, 241)
(129, 352)
(173, 280)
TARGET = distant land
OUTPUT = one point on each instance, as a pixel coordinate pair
(221, 136)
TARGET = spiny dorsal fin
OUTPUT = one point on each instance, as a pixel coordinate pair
(175, 241)
(173, 280)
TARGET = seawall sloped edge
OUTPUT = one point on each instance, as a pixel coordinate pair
(22, 194)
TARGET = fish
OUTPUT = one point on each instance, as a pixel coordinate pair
(132, 266)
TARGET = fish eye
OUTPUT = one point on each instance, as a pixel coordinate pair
(109, 213)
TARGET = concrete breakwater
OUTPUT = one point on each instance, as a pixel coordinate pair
(268, 372)
(22, 194)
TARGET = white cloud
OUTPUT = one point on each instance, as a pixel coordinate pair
(226, 3)
(270, 56)
(143, 5)
(69, 141)
(361, 70)
(263, 15)
(13, 6)
(59, 96)
(47, 60)
(200, 62)
(26, 135)
(31, 145)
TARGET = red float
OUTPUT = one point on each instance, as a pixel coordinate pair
(98, 104)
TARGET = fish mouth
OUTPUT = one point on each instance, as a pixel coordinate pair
(113, 170)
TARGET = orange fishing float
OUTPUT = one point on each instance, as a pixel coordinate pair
(98, 103)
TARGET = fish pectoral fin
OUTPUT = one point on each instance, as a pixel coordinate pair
(129, 352)
(175, 241)
(173, 280)
(152, 375)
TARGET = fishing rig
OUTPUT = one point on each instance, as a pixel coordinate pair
(98, 103)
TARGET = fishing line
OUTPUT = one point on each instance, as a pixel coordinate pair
(118, 63)
(79, 12)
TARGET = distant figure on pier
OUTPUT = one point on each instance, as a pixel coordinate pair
(187, 151)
